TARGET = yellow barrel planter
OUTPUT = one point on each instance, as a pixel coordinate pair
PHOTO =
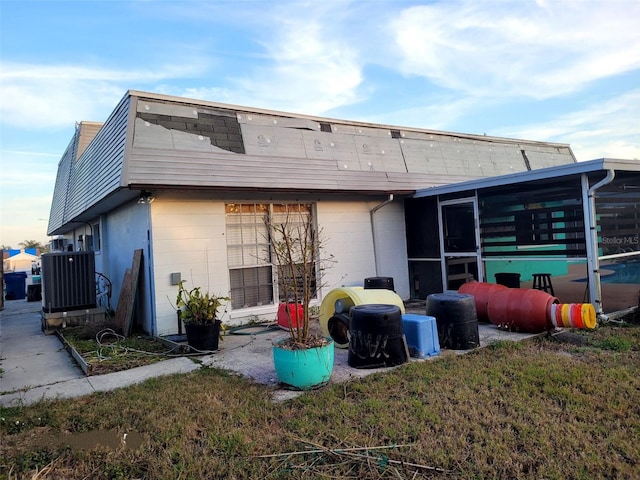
(334, 323)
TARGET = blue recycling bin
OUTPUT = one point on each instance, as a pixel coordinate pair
(16, 283)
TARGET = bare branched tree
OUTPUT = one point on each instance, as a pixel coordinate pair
(296, 248)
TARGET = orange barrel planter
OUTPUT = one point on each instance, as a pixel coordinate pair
(573, 315)
(481, 293)
(521, 309)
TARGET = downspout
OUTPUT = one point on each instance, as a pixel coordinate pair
(593, 261)
(373, 230)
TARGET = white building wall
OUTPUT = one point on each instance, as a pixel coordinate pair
(123, 231)
(188, 238)
(347, 228)
(347, 232)
(391, 246)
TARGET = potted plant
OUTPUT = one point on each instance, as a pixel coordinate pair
(199, 313)
(305, 358)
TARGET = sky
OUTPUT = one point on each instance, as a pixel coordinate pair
(559, 71)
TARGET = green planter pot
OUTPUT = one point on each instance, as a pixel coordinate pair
(304, 369)
(203, 337)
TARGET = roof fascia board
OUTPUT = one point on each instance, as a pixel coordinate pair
(601, 164)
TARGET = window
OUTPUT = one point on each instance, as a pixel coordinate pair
(254, 278)
(58, 244)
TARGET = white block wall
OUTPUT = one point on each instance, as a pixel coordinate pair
(189, 238)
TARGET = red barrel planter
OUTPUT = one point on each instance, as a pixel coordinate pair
(481, 293)
(521, 309)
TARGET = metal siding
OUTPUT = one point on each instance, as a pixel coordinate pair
(59, 200)
(230, 171)
(169, 109)
(542, 157)
(273, 121)
(151, 136)
(98, 170)
(379, 154)
(285, 146)
(88, 131)
(273, 141)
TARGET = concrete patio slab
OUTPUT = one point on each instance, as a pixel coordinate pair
(36, 366)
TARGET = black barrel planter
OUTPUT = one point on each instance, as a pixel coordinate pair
(376, 337)
(384, 283)
(456, 318)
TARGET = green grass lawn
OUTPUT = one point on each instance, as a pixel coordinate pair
(547, 408)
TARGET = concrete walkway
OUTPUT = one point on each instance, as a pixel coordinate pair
(35, 366)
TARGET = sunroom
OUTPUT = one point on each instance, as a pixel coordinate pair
(572, 230)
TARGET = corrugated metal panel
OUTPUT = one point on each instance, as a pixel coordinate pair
(372, 132)
(379, 154)
(273, 121)
(98, 171)
(543, 157)
(341, 148)
(151, 136)
(423, 156)
(273, 141)
(322, 145)
(169, 109)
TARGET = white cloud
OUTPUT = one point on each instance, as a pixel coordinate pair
(428, 113)
(295, 56)
(308, 70)
(518, 48)
(606, 129)
(52, 96)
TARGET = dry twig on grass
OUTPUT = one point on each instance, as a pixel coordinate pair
(377, 461)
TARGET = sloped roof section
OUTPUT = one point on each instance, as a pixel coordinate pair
(90, 169)
(180, 142)
(153, 141)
